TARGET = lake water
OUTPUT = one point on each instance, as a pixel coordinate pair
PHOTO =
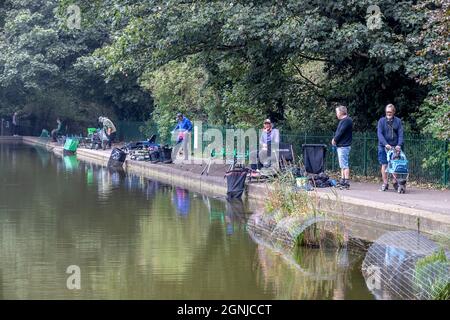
(134, 238)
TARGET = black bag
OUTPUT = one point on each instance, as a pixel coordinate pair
(117, 158)
(321, 180)
(285, 152)
(236, 183)
(165, 154)
(155, 155)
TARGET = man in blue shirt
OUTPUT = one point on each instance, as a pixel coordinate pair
(184, 124)
(183, 129)
(390, 135)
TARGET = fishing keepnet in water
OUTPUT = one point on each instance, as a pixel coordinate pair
(407, 265)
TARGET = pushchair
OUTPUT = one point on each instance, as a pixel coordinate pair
(397, 169)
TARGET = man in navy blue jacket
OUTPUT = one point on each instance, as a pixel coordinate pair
(342, 140)
(390, 135)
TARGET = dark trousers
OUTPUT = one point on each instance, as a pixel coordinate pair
(54, 135)
(111, 138)
(15, 129)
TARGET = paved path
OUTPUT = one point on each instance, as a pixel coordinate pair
(422, 199)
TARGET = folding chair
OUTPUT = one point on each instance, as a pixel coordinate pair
(314, 157)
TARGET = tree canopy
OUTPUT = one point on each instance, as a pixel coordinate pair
(234, 62)
(45, 70)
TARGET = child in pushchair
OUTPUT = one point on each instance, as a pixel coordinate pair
(397, 168)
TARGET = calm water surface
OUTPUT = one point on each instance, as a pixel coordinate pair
(135, 238)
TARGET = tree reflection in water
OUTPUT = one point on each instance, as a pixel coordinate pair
(128, 238)
(309, 273)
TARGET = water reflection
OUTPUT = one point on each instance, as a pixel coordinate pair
(181, 201)
(313, 274)
(151, 188)
(134, 238)
(44, 156)
(104, 183)
(71, 163)
(235, 214)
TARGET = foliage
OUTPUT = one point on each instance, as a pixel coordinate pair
(431, 68)
(233, 63)
(46, 71)
(438, 285)
(284, 201)
(178, 87)
(255, 54)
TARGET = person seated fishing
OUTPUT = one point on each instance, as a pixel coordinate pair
(109, 128)
(269, 137)
(55, 132)
(182, 129)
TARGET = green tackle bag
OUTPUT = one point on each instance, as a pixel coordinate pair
(71, 145)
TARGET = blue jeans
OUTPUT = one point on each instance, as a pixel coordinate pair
(343, 156)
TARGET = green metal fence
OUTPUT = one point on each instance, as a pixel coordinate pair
(363, 156)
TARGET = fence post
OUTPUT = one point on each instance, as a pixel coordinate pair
(446, 169)
(365, 153)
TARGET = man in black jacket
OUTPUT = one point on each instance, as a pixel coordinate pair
(343, 140)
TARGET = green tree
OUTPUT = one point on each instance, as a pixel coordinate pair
(45, 69)
(431, 66)
(246, 46)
